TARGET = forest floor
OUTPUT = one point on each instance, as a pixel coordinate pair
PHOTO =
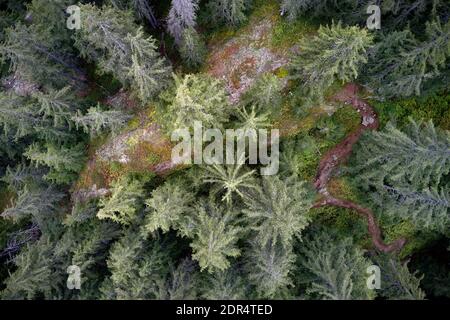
(339, 154)
(242, 59)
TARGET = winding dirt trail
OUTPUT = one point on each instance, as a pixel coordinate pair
(339, 154)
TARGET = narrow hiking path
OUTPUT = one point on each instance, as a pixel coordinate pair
(339, 154)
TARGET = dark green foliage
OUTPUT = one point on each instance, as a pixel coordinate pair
(110, 38)
(337, 268)
(434, 106)
(411, 183)
(34, 203)
(400, 64)
(18, 119)
(42, 115)
(432, 264)
(56, 105)
(33, 279)
(23, 175)
(182, 282)
(143, 9)
(335, 54)
(231, 12)
(395, 13)
(226, 285)
(397, 282)
(26, 47)
(138, 268)
(219, 231)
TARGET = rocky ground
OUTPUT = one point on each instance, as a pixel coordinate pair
(242, 59)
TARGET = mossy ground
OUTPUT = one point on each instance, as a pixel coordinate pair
(143, 145)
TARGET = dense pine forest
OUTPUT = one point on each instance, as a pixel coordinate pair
(93, 205)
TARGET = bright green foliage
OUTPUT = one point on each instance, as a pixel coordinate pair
(97, 121)
(400, 64)
(229, 180)
(290, 164)
(338, 268)
(64, 162)
(265, 93)
(231, 12)
(397, 282)
(278, 211)
(407, 170)
(269, 269)
(122, 204)
(214, 238)
(168, 207)
(110, 38)
(335, 54)
(252, 120)
(196, 98)
(192, 48)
